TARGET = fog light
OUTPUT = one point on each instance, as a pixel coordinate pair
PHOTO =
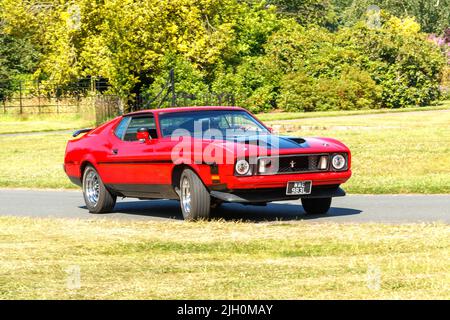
(323, 163)
(264, 164)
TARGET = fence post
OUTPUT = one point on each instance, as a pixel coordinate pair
(172, 87)
(20, 97)
(92, 84)
(39, 96)
(78, 103)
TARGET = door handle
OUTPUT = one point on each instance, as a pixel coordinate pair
(115, 151)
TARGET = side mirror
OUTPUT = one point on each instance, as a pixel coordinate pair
(142, 134)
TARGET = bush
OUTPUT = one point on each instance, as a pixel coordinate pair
(402, 61)
(356, 67)
(254, 83)
(353, 89)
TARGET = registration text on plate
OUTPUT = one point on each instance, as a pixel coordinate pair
(298, 187)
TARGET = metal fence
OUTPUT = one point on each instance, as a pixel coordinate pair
(168, 96)
(182, 99)
(85, 96)
(91, 95)
(41, 97)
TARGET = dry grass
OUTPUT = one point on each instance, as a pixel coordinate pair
(392, 153)
(276, 116)
(33, 161)
(222, 260)
(39, 123)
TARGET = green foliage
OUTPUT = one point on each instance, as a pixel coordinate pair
(294, 55)
(17, 57)
(354, 89)
(432, 15)
(406, 65)
(254, 83)
(189, 81)
(356, 67)
(305, 12)
(17, 53)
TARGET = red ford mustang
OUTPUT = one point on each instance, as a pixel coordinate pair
(203, 156)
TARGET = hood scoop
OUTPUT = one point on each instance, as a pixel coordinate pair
(297, 140)
(271, 141)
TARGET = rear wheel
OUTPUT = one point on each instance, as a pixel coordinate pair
(316, 205)
(97, 198)
(195, 200)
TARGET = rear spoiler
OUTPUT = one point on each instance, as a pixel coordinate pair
(78, 132)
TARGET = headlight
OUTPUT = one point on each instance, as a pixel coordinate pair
(242, 167)
(338, 161)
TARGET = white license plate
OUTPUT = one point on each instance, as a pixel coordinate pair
(298, 187)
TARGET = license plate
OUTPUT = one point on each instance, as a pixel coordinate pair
(298, 187)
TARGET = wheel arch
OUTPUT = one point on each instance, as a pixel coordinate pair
(83, 166)
(177, 171)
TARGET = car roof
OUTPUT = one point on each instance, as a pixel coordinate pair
(183, 109)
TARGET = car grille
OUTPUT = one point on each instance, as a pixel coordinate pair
(297, 164)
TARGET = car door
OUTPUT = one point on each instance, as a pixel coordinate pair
(133, 168)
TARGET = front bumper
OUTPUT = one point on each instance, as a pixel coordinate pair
(275, 194)
(280, 180)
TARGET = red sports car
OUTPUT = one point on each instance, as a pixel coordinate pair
(203, 156)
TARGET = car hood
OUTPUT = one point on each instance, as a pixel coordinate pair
(268, 144)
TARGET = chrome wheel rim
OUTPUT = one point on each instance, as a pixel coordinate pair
(92, 187)
(186, 195)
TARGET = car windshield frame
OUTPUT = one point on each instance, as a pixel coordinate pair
(210, 116)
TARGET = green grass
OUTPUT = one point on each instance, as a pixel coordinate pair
(392, 153)
(36, 123)
(33, 161)
(222, 260)
(274, 116)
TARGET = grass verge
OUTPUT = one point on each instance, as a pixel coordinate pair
(392, 153)
(221, 260)
(41, 123)
(33, 161)
(276, 116)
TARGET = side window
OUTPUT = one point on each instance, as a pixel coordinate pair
(120, 129)
(138, 122)
(169, 125)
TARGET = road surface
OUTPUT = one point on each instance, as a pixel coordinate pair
(352, 208)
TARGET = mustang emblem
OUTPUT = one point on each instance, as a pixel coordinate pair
(292, 163)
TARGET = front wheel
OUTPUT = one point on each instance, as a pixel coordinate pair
(316, 205)
(97, 198)
(195, 200)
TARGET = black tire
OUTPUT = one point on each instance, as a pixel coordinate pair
(105, 200)
(197, 204)
(316, 205)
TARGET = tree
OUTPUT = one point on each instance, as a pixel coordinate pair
(17, 56)
(432, 15)
(307, 12)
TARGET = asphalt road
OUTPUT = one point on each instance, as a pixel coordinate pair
(353, 208)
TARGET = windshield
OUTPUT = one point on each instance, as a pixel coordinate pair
(234, 123)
